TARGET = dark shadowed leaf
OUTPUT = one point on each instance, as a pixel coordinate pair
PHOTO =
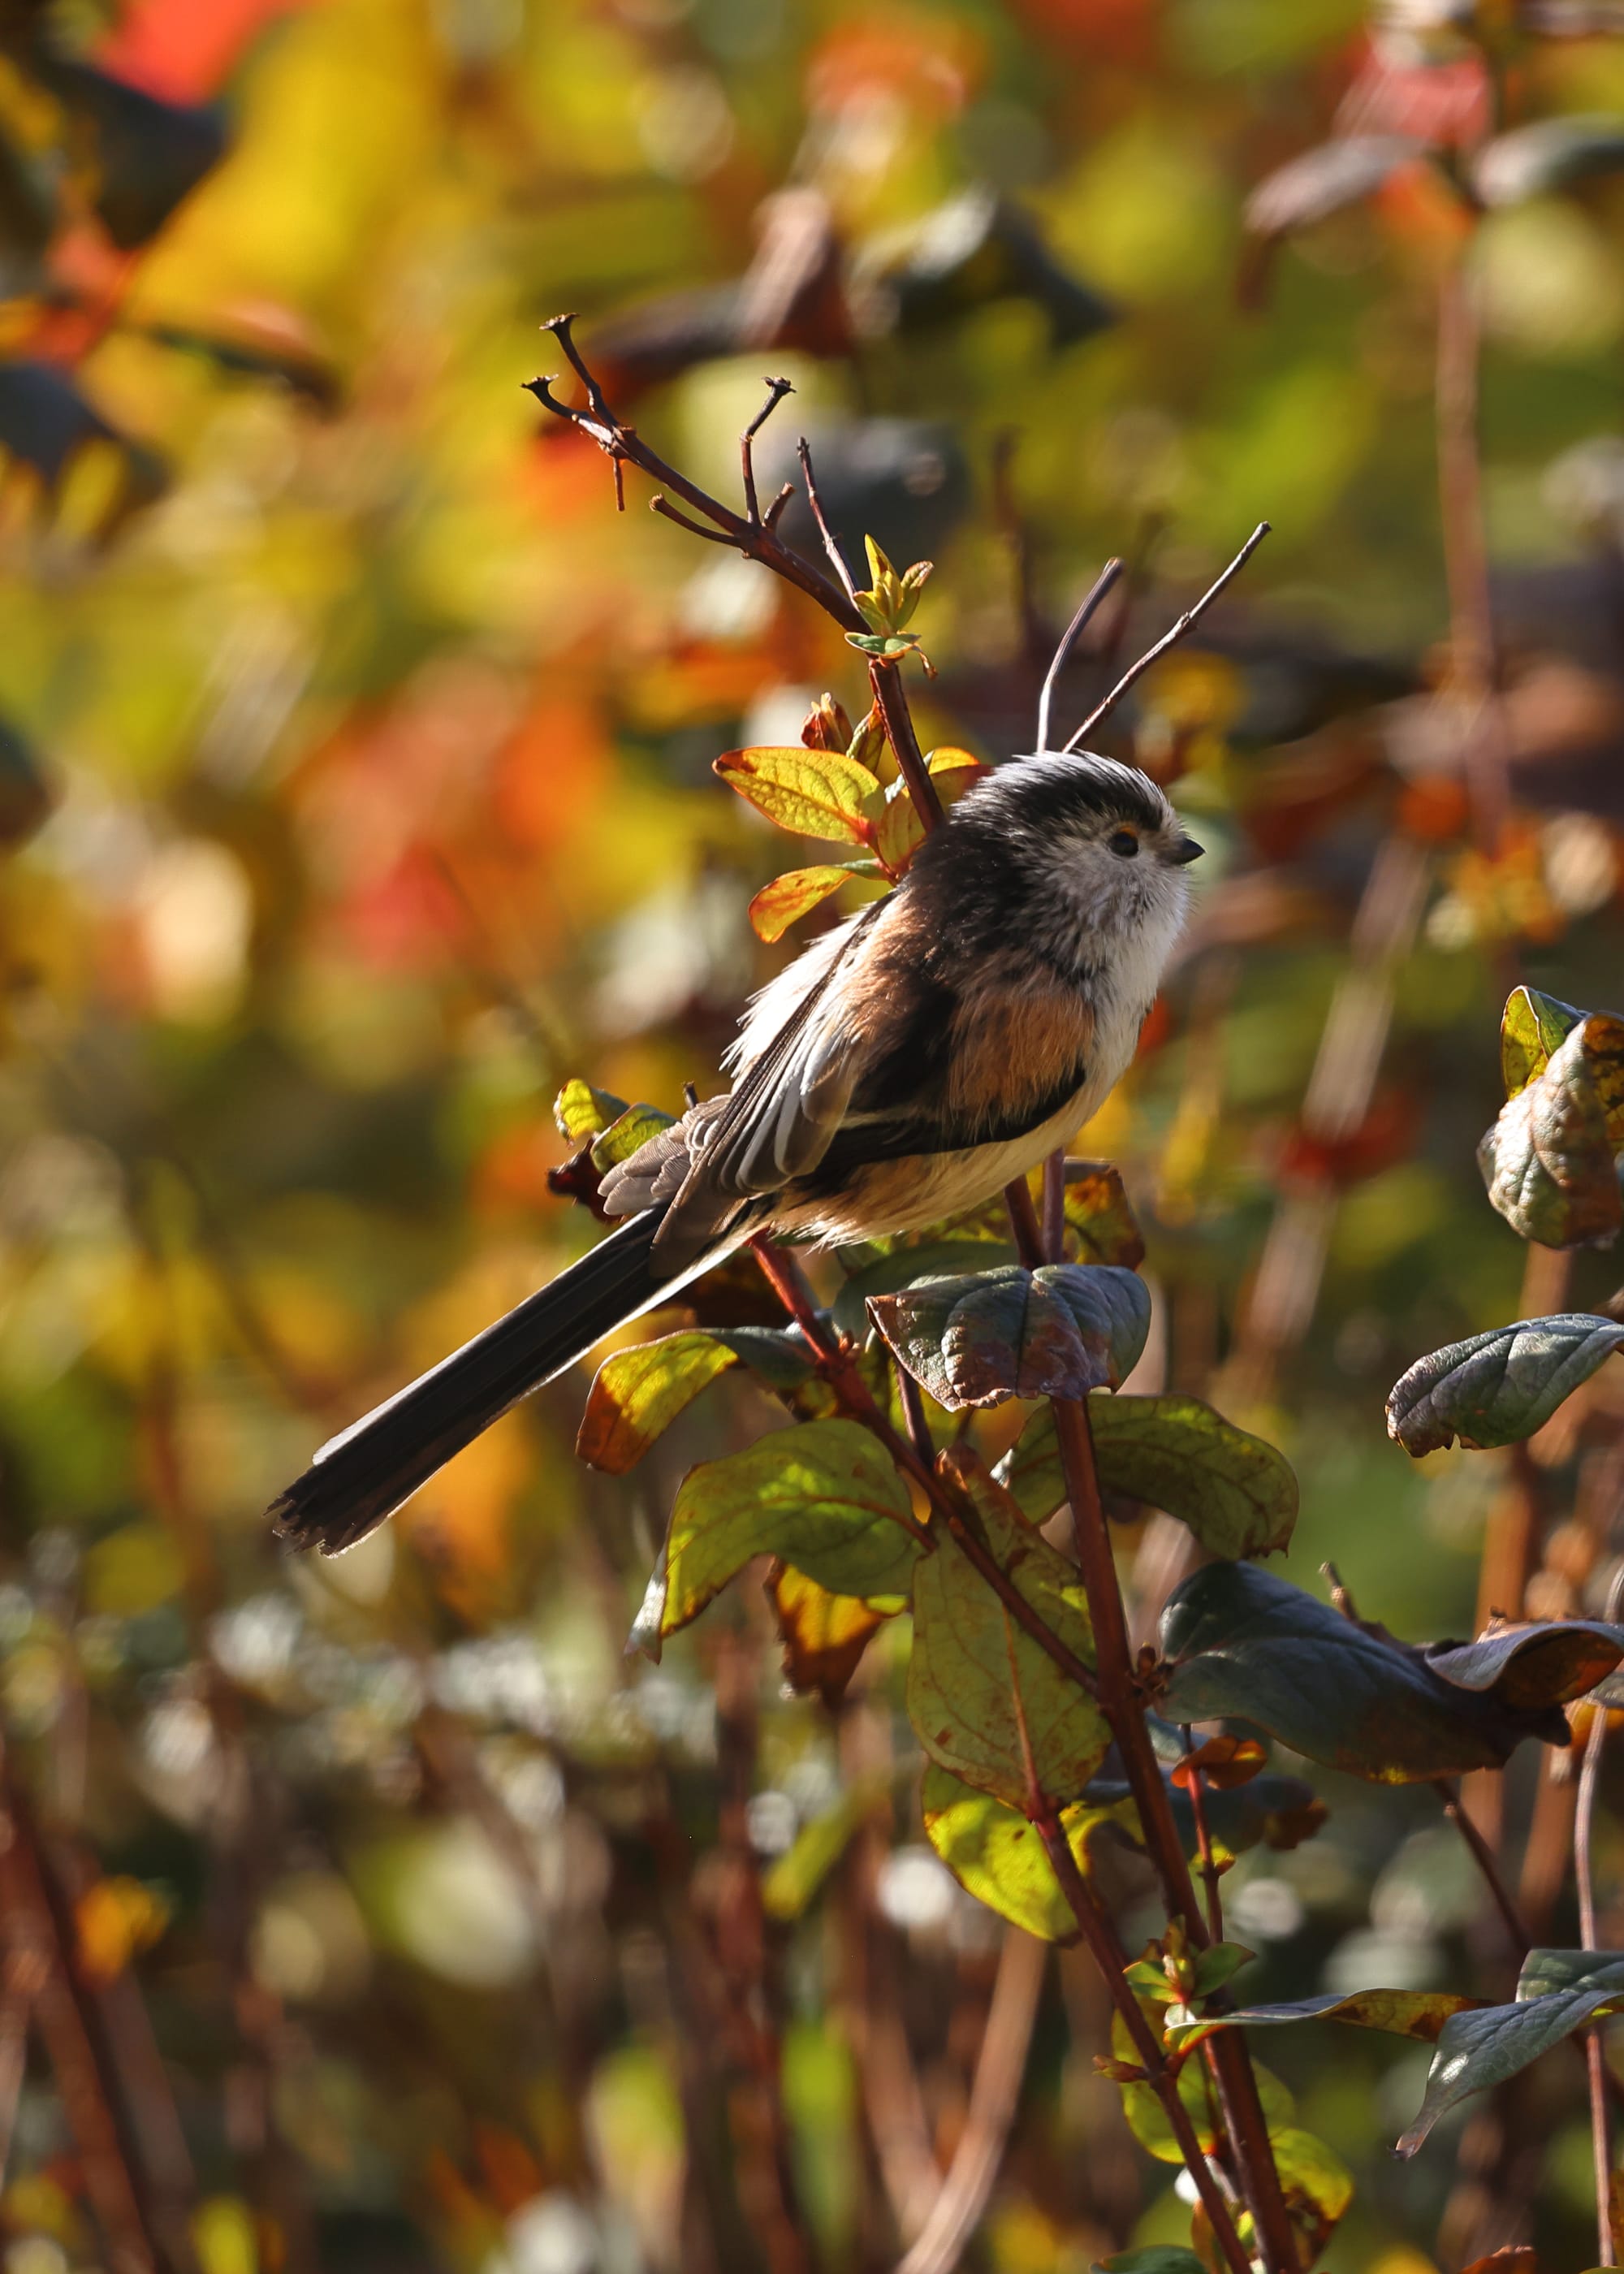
(1548, 1161)
(1236, 1494)
(1099, 1214)
(814, 793)
(1400, 2013)
(997, 1855)
(1550, 1663)
(1058, 1332)
(823, 1495)
(901, 1266)
(798, 891)
(1499, 1386)
(26, 798)
(148, 154)
(978, 247)
(1325, 179)
(1553, 153)
(986, 1702)
(1279, 1812)
(638, 1393)
(1242, 1643)
(824, 1635)
(1559, 1991)
(47, 423)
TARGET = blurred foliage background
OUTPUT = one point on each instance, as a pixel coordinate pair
(355, 784)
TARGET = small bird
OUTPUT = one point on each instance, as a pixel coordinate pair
(904, 1068)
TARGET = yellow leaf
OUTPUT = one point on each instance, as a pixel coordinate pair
(814, 793)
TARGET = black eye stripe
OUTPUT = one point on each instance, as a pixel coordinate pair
(1124, 841)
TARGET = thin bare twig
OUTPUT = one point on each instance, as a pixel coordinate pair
(776, 389)
(994, 2096)
(1073, 632)
(1595, 2055)
(836, 559)
(1102, 710)
(1203, 1838)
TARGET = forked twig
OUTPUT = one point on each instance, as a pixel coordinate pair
(776, 389)
(1073, 632)
(1102, 710)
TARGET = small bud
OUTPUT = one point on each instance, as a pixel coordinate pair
(827, 726)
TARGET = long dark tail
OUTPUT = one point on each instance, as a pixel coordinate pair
(361, 1476)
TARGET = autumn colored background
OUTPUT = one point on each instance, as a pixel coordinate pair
(355, 782)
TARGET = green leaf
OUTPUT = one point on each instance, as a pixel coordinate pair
(799, 891)
(1559, 1991)
(1237, 1494)
(886, 645)
(1531, 1027)
(1098, 1213)
(1241, 1642)
(1317, 2186)
(1401, 2012)
(637, 1393)
(1217, 1963)
(628, 1135)
(814, 793)
(790, 1887)
(1058, 1332)
(1548, 1161)
(1553, 154)
(1549, 1663)
(1147, 2119)
(582, 1111)
(986, 1701)
(998, 1856)
(1498, 1388)
(824, 1495)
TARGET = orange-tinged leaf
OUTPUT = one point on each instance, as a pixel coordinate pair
(1222, 1762)
(795, 894)
(823, 1634)
(897, 830)
(814, 793)
(116, 1918)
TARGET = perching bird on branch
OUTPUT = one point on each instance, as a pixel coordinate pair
(904, 1068)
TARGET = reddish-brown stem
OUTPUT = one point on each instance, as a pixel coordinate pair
(1054, 1206)
(1210, 1874)
(776, 389)
(1595, 2058)
(1483, 1856)
(840, 1370)
(1024, 1222)
(1123, 1708)
(1112, 1962)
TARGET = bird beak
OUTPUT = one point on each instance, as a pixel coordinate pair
(1185, 851)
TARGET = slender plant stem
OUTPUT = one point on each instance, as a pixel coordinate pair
(1123, 1709)
(1203, 1839)
(1054, 1206)
(1483, 1857)
(1595, 2052)
(1112, 1962)
(1068, 638)
(1102, 710)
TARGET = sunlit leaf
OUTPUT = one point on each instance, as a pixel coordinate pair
(1559, 1992)
(824, 1635)
(1532, 1027)
(582, 1111)
(1551, 154)
(1058, 1332)
(638, 1393)
(1548, 1161)
(898, 832)
(823, 1495)
(997, 1855)
(1318, 2186)
(1498, 1388)
(814, 793)
(627, 1135)
(987, 1702)
(1241, 1642)
(1237, 1493)
(798, 891)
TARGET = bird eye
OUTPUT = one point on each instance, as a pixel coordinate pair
(1124, 841)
